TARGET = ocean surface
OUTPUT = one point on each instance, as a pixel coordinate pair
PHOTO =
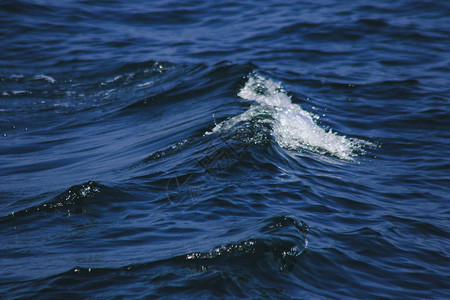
(224, 149)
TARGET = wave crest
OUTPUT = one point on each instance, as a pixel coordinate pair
(292, 127)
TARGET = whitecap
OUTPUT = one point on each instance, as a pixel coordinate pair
(45, 77)
(291, 127)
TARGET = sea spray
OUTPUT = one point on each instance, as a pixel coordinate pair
(291, 127)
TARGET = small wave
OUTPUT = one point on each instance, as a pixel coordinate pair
(292, 127)
(45, 77)
(71, 201)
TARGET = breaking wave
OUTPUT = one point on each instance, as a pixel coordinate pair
(291, 127)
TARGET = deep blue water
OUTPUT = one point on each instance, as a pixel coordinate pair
(224, 149)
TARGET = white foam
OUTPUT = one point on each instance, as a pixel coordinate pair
(292, 127)
(45, 77)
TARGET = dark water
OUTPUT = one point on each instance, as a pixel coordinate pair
(221, 149)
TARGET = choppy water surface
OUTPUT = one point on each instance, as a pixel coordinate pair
(221, 149)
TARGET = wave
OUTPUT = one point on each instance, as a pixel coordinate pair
(71, 201)
(276, 248)
(292, 127)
